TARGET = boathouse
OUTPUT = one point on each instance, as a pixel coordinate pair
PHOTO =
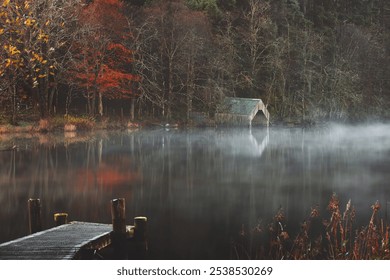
(242, 111)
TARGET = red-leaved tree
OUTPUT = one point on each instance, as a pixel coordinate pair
(102, 63)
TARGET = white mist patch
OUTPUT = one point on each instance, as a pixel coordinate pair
(370, 136)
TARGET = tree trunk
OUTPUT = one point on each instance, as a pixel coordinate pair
(132, 109)
(14, 108)
(46, 104)
(190, 84)
(93, 104)
(51, 100)
(170, 87)
(100, 105)
(68, 101)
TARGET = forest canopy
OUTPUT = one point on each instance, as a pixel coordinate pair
(308, 60)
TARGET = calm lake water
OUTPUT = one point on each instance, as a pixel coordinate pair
(198, 186)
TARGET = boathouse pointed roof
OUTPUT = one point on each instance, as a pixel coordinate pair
(238, 106)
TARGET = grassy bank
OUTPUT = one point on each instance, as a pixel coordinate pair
(65, 124)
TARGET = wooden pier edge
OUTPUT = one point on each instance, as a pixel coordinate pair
(80, 240)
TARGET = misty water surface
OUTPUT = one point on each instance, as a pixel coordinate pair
(198, 186)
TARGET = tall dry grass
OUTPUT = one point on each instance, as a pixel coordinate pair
(335, 238)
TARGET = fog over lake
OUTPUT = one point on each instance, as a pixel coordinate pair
(197, 186)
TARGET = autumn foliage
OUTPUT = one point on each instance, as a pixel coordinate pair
(107, 14)
(24, 54)
(307, 60)
(112, 77)
(102, 66)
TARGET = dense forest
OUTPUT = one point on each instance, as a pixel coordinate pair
(308, 60)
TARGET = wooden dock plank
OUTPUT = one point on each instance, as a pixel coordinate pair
(62, 242)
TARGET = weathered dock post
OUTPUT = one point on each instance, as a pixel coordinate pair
(34, 215)
(118, 228)
(140, 237)
(60, 219)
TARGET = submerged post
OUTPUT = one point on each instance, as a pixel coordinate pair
(34, 215)
(118, 228)
(60, 219)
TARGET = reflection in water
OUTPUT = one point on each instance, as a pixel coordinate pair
(197, 187)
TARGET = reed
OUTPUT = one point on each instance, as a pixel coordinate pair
(335, 238)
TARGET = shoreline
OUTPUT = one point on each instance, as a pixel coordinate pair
(81, 124)
(65, 124)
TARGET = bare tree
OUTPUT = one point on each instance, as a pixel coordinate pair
(159, 41)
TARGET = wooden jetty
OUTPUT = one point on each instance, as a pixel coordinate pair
(62, 242)
(82, 240)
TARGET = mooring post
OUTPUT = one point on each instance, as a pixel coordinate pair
(140, 237)
(140, 228)
(60, 219)
(34, 215)
(118, 215)
(118, 228)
